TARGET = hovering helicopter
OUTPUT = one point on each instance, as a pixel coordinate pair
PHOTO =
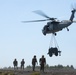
(54, 25)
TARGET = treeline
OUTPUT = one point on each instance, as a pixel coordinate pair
(47, 66)
(56, 66)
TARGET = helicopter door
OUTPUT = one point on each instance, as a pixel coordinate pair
(50, 27)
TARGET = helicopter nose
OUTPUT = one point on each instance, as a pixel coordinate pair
(43, 31)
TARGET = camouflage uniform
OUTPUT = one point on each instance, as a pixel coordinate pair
(22, 64)
(42, 63)
(15, 63)
(34, 61)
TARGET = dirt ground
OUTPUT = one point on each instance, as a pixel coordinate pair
(37, 72)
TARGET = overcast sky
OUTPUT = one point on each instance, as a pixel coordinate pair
(24, 40)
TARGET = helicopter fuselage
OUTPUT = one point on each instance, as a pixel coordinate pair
(55, 26)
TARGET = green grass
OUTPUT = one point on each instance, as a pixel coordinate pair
(35, 73)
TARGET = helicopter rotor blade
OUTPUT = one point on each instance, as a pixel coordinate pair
(35, 21)
(43, 14)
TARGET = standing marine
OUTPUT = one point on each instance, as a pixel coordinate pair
(42, 61)
(34, 61)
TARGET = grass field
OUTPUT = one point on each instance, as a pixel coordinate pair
(57, 71)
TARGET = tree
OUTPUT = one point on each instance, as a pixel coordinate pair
(72, 66)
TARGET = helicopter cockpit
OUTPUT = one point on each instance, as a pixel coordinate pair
(49, 28)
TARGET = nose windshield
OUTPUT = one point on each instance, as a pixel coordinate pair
(44, 31)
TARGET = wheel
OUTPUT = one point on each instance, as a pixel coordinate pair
(55, 34)
(44, 33)
(67, 29)
(50, 54)
(56, 53)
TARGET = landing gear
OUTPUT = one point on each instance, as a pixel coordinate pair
(67, 29)
(55, 34)
(44, 33)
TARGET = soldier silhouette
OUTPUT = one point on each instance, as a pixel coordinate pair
(34, 61)
(42, 63)
(15, 63)
(22, 64)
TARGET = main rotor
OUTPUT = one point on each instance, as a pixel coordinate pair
(39, 12)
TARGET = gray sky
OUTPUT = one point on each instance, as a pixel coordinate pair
(24, 40)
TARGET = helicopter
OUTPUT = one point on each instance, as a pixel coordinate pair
(53, 25)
